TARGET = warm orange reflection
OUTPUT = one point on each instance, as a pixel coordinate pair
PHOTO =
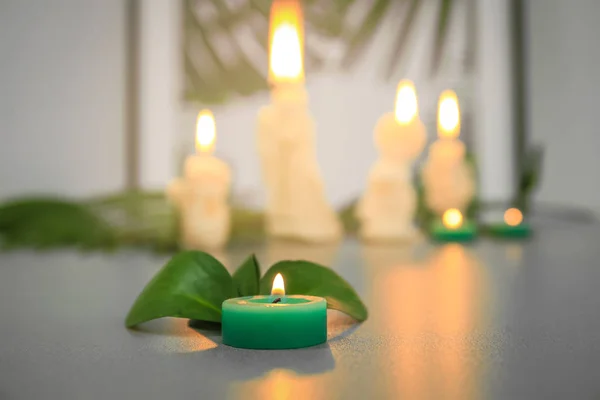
(431, 308)
(400, 309)
(283, 384)
(459, 292)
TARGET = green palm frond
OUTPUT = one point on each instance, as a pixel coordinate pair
(226, 43)
(399, 46)
(358, 39)
(443, 20)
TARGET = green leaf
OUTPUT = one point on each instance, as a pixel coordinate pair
(192, 285)
(399, 47)
(48, 222)
(348, 217)
(307, 278)
(246, 278)
(530, 177)
(443, 22)
(359, 39)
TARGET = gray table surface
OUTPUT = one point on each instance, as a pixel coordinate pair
(494, 320)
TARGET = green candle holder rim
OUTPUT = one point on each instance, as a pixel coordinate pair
(261, 300)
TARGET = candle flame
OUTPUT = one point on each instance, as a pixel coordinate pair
(286, 42)
(452, 218)
(406, 108)
(278, 286)
(513, 217)
(448, 115)
(206, 132)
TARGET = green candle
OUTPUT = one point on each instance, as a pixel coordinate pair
(451, 228)
(513, 226)
(522, 230)
(274, 322)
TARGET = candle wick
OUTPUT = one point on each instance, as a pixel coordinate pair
(277, 300)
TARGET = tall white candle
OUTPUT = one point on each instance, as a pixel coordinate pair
(296, 204)
(201, 194)
(448, 180)
(494, 142)
(387, 209)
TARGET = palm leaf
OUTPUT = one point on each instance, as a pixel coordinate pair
(530, 177)
(224, 79)
(210, 79)
(398, 48)
(357, 41)
(443, 19)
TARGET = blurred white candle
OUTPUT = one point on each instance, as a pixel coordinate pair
(448, 180)
(386, 211)
(201, 194)
(296, 204)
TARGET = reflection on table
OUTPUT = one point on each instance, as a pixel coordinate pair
(427, 306)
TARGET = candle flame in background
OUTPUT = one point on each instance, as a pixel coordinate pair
(286, 42)
(278, 286)
(206, 131)
(513, 217)
(406, 108)
(452, 218)
(448, 115)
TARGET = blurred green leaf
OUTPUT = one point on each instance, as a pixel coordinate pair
(210, 80)
(359, 39)
(49, 222)
(443, 19)
(399, 45)
(140, 219)
(348, 217)
(530, 178)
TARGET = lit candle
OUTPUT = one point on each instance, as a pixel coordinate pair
(513, 225)
(201, 194)
(274, 322)
(448, 180)
(452, 227)
(386, 211)
(296, 204)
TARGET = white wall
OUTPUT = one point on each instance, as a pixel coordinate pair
(160, 86)
(564, 53)
(62, 70)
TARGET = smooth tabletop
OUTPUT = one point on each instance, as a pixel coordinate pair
(492, 320)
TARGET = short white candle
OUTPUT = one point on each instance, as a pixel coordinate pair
(448, 180)
(201, 194)
(296, 204)
(386, 210)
